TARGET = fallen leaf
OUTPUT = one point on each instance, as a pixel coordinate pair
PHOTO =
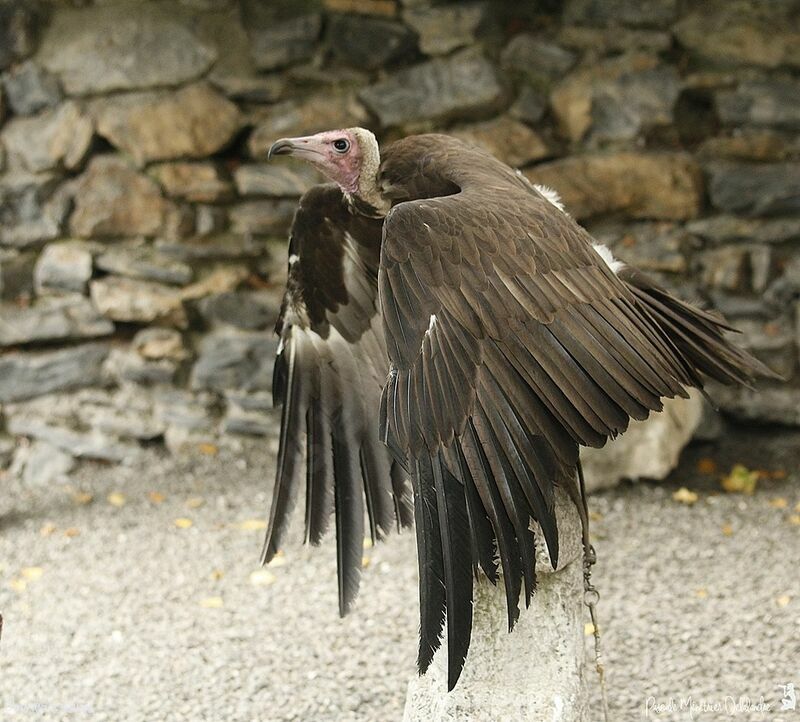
(707, 466)
(208, 449)
(588, 629)
(212, 602)
(47, 529)
(32, 573)
(778, 474)
(595, 516)
(783, 600)
(116, 499)
(701, 593)
(261, 577)
(183, 523)
(156, 497)
(778, 502)
(795, 519)
(82, 497)
(684, 496)
(251, 525)
(72, 532)
(217, 574)
(195, 502)
(797, 507)
(18, 585)
(727, 530)
(741, 480)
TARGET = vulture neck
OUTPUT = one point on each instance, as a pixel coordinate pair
(367, 204)
(367, 199)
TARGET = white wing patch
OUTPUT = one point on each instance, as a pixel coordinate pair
(607, 256)
(296, 314)
(551, 196)
(431, 324)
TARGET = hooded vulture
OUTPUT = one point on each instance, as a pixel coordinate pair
(447, 321)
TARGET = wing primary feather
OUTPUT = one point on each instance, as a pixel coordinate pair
(376, 472)
(508, 484)
(454, 531)
(403, 498)
(431, 564)
(319, 474)
(290, 454)
(389, 420)
(279, 379)
(698, 335)
(482, 536)
(507, 547)
(349, 513)
(534, 475)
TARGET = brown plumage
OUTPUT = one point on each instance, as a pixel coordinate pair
(511, 341)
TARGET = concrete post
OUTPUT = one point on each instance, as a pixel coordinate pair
(535, 673)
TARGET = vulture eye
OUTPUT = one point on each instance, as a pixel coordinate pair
(341, 145)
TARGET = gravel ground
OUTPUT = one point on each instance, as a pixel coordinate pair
(113, 611)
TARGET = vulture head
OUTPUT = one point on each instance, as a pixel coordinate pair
(350, 157)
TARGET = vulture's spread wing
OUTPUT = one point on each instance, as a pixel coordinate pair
(511, 342)
(328, 376)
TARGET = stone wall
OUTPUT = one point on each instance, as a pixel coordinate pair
(142, 235)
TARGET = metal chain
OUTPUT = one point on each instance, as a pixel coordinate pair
(591, 596)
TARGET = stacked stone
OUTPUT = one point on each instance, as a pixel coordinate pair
(142, 235)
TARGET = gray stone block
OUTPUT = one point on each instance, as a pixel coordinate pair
(42, 463)
(370, 43)
(100, 49)
(25, 375)
(774, 103)
(283, 43)
(30, 88)
(461, 86)
(64, 267)
(145, 262)
(756, 189)
(52, 320)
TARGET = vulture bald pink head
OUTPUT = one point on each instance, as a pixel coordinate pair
(350, 157)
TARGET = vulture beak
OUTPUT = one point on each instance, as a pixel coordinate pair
(308, 147)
